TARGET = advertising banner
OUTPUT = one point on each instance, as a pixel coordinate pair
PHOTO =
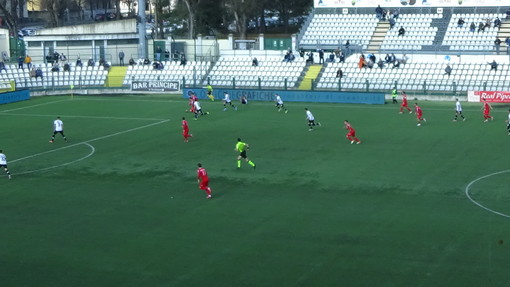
(155, 86)
(489, 96)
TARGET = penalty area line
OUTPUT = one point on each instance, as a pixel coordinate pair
(479, 204)
(91, 140)
(92, 151)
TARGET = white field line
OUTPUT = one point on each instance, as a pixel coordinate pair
(92, 151)
(85, 117)
(479, 204)
(86, 142)
(32, 106)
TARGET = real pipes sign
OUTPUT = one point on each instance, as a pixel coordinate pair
(155, 86)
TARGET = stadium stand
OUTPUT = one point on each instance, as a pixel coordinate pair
(271, 71)
(421, 73)
(78, 76)
(329, 31)
(461, 38)
(194, 72)
(418, 32)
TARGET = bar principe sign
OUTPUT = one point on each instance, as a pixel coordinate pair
(155, 86)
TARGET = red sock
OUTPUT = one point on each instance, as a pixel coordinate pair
(356, 139)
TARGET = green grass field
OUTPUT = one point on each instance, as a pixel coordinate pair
(119, 204)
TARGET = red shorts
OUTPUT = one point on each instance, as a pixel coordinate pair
(486, 113)
(351, 134)
(185, 132)
(404, 105)
(419, 116)
(204, 184)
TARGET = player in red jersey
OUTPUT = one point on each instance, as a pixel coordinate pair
(419, 114)
(404, 104)
(185, 130)
(191, 102)
(351, 135)
(203, 180)
(486, 111)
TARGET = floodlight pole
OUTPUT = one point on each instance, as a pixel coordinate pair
(142, 34)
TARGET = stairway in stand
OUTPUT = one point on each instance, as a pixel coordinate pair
(378, 37)
(503, 33)
(311, 74)
(116, 76)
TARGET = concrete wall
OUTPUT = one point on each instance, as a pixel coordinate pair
(4, 42)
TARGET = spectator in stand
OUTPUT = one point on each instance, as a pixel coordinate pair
(79, 63)
(341, 57)
(255, 62)
(370, 64)
(507, 41)
(472, 27)
(28, 61)
(183, 60)
(67, 67)
(302, 53)
(21, 59)
(481, 27)
(62, 57)
(32, 72)
(494, 65)
(460, 23)
(387, 59)
(396, 64)
(331, 58)
(392, 23)
(101, 61)
(321, 56)
(2, 66)
(508, 13)
(339, 73)
(158, 66)
(38, 73)
(362, 61)
(146, 61)
(396, 13)
(372, 58)
(56, 56)
(401, 31)
(487, 23)
(291, 57)
(132, 61)
(337, 52)
(121, 58)
(393, 58)
(379, 12)
(91, 62)
(310, 57)
(380, 64)
(497, 44)
(347, 44)
(55, 68)
(497, 22)
(448, 70)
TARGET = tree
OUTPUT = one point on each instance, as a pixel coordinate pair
(192, 7)
(242, 11)
(56, 10)
(11, 17)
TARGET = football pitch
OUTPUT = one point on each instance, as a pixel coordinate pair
(119, 205)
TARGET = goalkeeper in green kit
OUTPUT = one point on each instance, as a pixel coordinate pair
(242, 147)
